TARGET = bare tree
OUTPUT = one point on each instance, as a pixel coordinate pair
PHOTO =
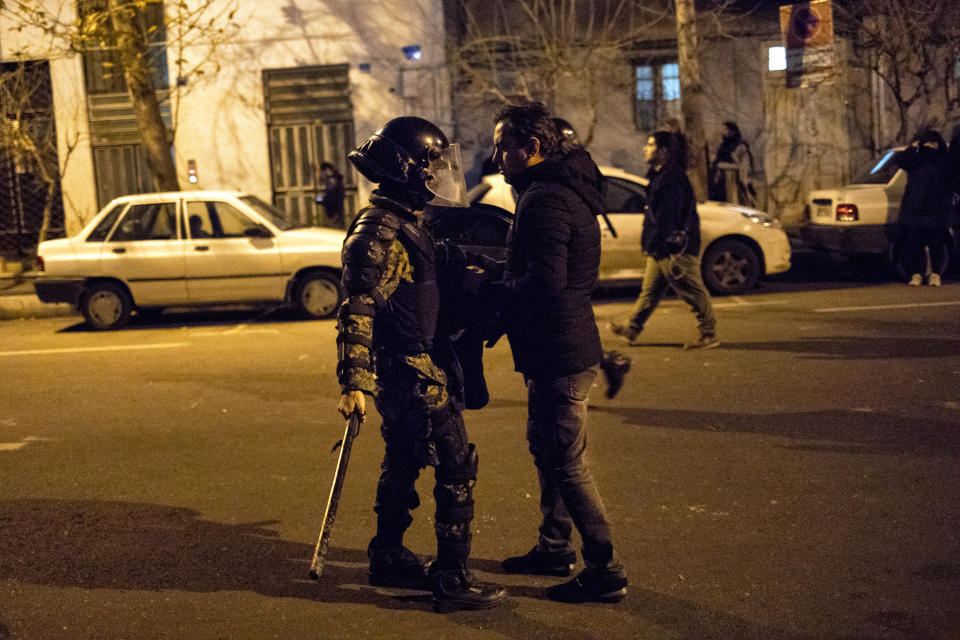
(27, 132)
(123, 27)
(912, 47)
(547, 49)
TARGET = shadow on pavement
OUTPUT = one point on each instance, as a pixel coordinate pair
(840, 431)
(135, 546)
(857, 347)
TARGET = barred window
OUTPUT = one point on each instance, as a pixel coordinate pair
(657, 95)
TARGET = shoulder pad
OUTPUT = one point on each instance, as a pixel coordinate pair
(377, 222)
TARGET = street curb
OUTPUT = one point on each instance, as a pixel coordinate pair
(26, 306)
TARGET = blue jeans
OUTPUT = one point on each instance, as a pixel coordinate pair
(556, 431)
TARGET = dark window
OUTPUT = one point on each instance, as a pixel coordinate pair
(153, 221)
(99, 234)
(657, 94)
(624, 197)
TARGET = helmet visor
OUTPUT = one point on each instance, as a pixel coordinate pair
(445, 179)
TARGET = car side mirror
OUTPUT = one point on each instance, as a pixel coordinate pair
(258, 231)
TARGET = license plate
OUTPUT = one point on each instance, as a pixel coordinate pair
(823, 211)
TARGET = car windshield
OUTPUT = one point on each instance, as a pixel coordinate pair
(271, 213)
(882, 172)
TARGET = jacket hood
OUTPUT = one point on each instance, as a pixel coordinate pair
(575, 170)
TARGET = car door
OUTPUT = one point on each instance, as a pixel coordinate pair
(228, 259)
(621, 255)
(146, 252)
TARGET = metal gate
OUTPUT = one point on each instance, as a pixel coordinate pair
(309, 121)
(23, 193)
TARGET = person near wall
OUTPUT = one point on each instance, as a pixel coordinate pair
(553, 259)
(671, 240)
(332, 193)
(732, 169)
(925, 209)
(389, 346)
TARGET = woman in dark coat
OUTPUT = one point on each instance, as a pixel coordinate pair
(925, 208)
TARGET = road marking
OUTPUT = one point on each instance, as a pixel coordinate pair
(741, 303)
(128, 347)
(238, 330)
(13, 446)
(912, 305)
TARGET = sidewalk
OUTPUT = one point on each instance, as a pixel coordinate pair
(18, 299)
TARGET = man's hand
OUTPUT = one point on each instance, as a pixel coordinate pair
(353, 401)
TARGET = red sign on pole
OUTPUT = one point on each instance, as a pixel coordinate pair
(807, 29)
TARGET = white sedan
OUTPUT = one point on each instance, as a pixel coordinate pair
(187, 248)
(738, 244)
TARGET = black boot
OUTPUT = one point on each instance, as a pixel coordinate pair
(540, 563)
(615, 366)
(397, 567)
(455, 589)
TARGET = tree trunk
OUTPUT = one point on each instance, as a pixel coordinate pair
(691, 95)
(138, 74)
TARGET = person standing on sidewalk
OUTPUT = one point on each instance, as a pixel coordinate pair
(671, 240)
(553, 260)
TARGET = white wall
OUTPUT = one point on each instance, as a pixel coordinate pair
(220, 119)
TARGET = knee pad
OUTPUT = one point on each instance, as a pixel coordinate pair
(454, 490)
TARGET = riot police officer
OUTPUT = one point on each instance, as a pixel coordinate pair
(389, 347)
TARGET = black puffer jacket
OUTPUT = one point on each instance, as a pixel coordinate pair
(553, 254)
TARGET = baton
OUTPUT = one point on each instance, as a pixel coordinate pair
(323, 541)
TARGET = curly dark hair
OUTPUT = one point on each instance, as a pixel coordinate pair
(673, 146)
(529, 119)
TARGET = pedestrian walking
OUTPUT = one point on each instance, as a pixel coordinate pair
(389, 346)
(925, 208)
(671, 240)
(553, 258)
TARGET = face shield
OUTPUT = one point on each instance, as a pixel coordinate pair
(445, 179)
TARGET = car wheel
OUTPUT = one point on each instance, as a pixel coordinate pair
(730, 267)
(318, 294)
(106, 306)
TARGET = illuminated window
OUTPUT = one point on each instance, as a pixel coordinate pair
(776, 58)
(657, 94)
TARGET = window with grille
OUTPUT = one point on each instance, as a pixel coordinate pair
(657, 94)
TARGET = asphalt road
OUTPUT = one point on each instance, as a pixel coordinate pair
(799, 482)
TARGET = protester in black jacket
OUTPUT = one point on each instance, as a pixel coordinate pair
(671, 240)
(553, 257)
(926, 205)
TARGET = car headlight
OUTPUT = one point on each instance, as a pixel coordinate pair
(761, 219)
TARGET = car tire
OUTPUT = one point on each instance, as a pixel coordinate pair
(730, 267)
(318, 295)
(106, 306)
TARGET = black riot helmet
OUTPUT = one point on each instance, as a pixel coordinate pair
(412, 157)
(568, 135)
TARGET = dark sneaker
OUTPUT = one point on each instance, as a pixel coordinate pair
(591, 585)
(542, 564)
(705, 342)
(615, 366)
(625, 331)
(398, 568)
(456, 589)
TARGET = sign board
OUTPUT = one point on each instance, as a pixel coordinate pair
(807, 29)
